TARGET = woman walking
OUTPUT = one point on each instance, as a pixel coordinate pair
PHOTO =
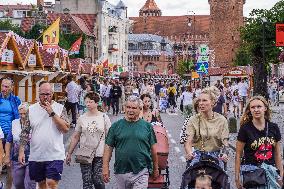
(258, 147)
(91, 131)
(20, 173)
(206, 131)
(152, 116)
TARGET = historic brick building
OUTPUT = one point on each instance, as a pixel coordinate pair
(219, 30)
(150, 53)
(226, 20)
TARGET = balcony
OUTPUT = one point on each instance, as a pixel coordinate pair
(112, 48)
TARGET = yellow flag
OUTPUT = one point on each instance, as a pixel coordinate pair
(51, 34)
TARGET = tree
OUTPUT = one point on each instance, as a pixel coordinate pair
(253, 34)
(184, 67)
(8, 25)
(35, 32)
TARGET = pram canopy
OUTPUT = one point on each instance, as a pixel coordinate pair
(219, 176)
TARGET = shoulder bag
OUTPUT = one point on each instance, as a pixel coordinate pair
(255, 178)
(85, 155)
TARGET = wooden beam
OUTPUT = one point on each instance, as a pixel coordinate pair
(27, 90)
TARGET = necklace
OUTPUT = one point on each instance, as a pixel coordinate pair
(147, 116)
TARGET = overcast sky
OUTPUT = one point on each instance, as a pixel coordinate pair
(170, 7)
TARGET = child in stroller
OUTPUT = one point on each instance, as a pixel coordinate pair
(208, 167)
(203, 182)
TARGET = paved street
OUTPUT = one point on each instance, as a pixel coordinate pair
(71, 177)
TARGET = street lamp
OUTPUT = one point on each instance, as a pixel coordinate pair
(191, 23)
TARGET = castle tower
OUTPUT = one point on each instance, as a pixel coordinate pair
(150, 9)
(224, 35)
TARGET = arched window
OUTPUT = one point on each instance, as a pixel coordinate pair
(150, 67)
(170, 68)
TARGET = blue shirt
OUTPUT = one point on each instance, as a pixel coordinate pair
(6, 116)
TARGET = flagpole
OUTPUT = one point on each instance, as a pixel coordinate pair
(40, 36)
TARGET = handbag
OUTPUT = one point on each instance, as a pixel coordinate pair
(85, 155)
(257, 177)
(254, 178)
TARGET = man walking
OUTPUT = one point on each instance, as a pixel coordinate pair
(9, 104)
(115, 94)
(72, 90)
(45, 123)
(134, 142)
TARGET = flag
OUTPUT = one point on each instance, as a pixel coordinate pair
(105, 63)
(115, 68)
(75, 48)
(51, 35)
(120, 69)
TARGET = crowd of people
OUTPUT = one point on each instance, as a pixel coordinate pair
(32, 135)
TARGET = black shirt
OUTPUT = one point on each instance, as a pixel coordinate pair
(219, 105)
(258, 148)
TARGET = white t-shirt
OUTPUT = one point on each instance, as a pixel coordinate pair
(243, 89)
(197, 92)
(46, 140)
(73, 91)
(1, 134)
(187, 98)
(95, 126)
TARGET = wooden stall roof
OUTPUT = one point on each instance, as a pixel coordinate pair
(7, 37)
(215, 71)
(75, 65)
(48, 57)
(25, 47)
(86, 68)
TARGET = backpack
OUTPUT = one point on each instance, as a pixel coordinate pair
(171, 93)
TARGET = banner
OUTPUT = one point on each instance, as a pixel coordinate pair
(279, 35)
(75, 48)
(105, 63)
(51, 35)
(7, 57)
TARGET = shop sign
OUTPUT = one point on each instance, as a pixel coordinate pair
(236, 72)
(32, 60)
(57, 87)
(203, 50)
(7, 57)
(203, 59)
(56, 63)
(279, 35)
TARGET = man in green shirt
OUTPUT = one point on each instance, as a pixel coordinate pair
(135, 154)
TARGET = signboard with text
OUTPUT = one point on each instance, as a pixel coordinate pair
(32, 60)
(7, 57)
(279, 35)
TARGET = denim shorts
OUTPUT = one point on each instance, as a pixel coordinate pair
(40, 171)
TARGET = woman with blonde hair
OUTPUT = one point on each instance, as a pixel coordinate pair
(207, 131)
(258, 147)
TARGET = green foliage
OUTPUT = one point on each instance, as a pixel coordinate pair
(35, 32)
(258, 44)
(243, 57)
(8, 25)
(66, 41)
(184, 67)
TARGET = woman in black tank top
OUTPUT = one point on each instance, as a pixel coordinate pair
(148, 114)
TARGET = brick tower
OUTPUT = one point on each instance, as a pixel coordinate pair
(150, 9)
(224, 35)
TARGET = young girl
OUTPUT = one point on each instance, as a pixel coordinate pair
(236, 103)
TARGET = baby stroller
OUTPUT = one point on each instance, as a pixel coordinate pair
(207, 165)
(163, 180)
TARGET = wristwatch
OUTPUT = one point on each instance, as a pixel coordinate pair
(51, 114)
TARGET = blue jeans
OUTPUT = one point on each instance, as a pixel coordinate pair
(197, 155)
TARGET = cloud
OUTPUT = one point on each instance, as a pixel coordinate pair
(170, 7)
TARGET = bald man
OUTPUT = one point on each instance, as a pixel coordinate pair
(46, 123)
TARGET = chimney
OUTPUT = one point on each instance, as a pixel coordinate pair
(40, 3)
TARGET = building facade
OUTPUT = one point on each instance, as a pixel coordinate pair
(188, 32)
(112, 33)
(150, 53)
(224, 41)
(76, 6)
